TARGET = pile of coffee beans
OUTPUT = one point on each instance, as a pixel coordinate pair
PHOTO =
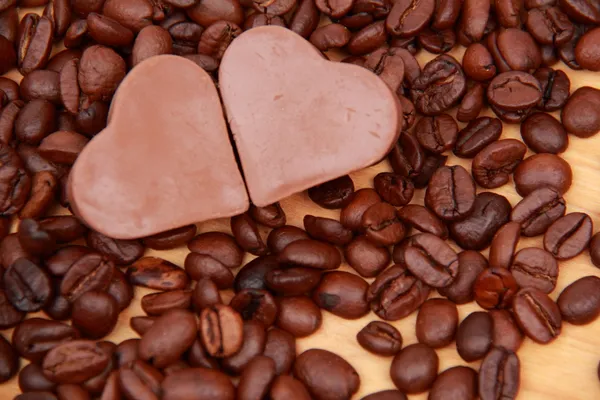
(246, 349)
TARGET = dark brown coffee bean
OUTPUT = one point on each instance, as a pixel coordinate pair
(32, 379)
(343, 294)
(334, 194)
(471, 104)
(508, 13)
(533, 267)
(27, 286)
(217, 37)
(156, 273)
(9, 315)
(221, 330)
(476, 136)
(504, 245)
(514, 91)
(470, 265)
(133, 14)
(368, 39)
(271, 216)
(549, 26)
(537, 315)
(201, 382)
(34, 239)
(58, 308)
(407, 157)
(515, 49)
(59, 13)
(140, 380)
(198, 357)
(506, 332)
(35, 337)
(351, 215)
(256, 379)
(387, 63)
(568, 236)
(493, 165)
(430, 165)
(63, 228)
(121, 252)
(334, 8)
(74, 361)
(255, 304)
(253, 274)
(43, 190)
(415, 368)
(579, 303)
(380, 338)
(437, 322)
(126, 352)
(437, 42)
(60, 262)
(162, 302)
(478, 63)
(586, 51)
(101, 70)
(328, 230)
(62, 147)
(396, 293)
(474, 336)
(36, 120)
(326, 375)
(292, 281)
(280, 346)
(8, 60)
(495, 288)
(393, 188)
(257, 19)
(9, 25)
(365, 257)
(491, 211)
(9, 360)
(10, 89)
(543, 170)
(254, 340)
(285, 387)
(247, 235)
(34, 43)
(330, 37)
(199, 266)
(473, 20)
(451, 193)
(437, 134)
(456, 383)
(151, 41)
(538, 210)
(408, 18)
(499, 375)
(108, 32)
(544, 134)
(581, 116)
(15, 182)
(422, 219)
(430, 259)
(298, 315)
(219, 246)
(279, 238)
(42, 85)
(8, 116)
(440, 86)
(549, 57)
(11, 250)
(90, 272)
(305, 19)
(382, 226)
(95, 314)
(171, 239)
(120, 289)
(311, 254)
(72, 392)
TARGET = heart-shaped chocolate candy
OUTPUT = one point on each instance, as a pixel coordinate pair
(164, 160)
(299, 120)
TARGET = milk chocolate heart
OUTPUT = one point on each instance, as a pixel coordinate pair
(299, 120)
(164, 160)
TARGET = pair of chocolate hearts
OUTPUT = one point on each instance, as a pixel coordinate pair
(165, 159)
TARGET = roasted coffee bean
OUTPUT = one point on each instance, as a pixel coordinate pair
(594, 249)
(255, 304)
(256, 379)
(491, 211)
(586, 12)
(35, 337)
(197, 357)
(579, 303)
(219, 246)
(15, 183)
(64, 228)
(58, 308)
(171, 239)
(334, 8)
(543, 170)
(62, 147)
(514, 91)
(408, 18)
(280, 346)
(437, 42)
(568, 236)
(504, 245)
(11, 250)
(514, 49)
(366, 258)
(292, 281)
(254, 340)
(8, 116)
(298, 315)
(271, 216)
(422, 219)
(437, 322)
(34, 43)
(90, 272)
(328, 230)
(478, 63)
(471, 105)
(101, 70)
(538, 210)
(141, 380)
(499, 375)
(333, 194)
(279, 238)
(32, 379)
(549, 57)
(9, 315)
(9, 360)
(544, 134)
(430, 259)
(343, 294)
(431, 164)
(217, 37)
(151, 41)
(380, 338)
(74, 361)
(205, 294)
(257, 19)
(456, 383)
(326, 375)
(108, 32)
(27, 286)
(133, 14)
(221, 330)
(533, 267)
(120, 289)
(199, 266)
(476, 136)
(387, 63)
(330, 37)
(43, 190)
(247, 235)
(415, 368)
(470, 265)
(393, 188)
(474, 336)
(72, 392)
(440, 86)
(506, 332)
(285, 387)
(34, 239)
(311, 254)
(70, 92)
(581, 114)
(208, 12)
(586, 51)
(253, 274)
(10, 89)
(549, 26)
(36, 120)
(60, 262)
(126, 352)
(446, 13)
(59, 13)
(162, 302)
(508, 13)
(95, 314)
(382, 226)
(407, 157)
(495, 288)
(537, 315)
(473, 20)
(156, 273)
(121, 252)
(77, 34)
(141, 325)
(8, 60)
(436, 134)
(451, 193)
(305, 19)
(556, 88)
(201, 382)
(42, 85)
(493, 165)
(9, 25)
(396, 293)
(368, 39)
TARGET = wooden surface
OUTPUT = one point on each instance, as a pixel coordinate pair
(564, 369)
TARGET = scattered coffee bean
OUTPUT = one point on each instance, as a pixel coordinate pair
(537, 315)
(499, 375)
(380, 338)
(495, 288)
(415, 368)
(456, 383)
(533, 267)
(579, 303)
(298, 315)
(538, 210)
(437, 322)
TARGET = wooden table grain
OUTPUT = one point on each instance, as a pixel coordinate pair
(564, 369)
